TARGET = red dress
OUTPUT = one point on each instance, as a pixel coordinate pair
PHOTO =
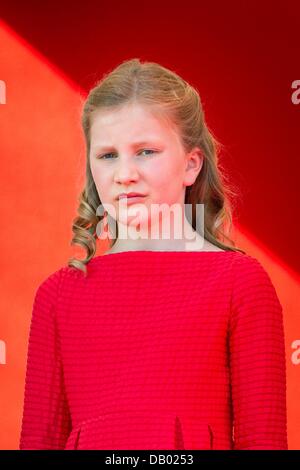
(157, 350)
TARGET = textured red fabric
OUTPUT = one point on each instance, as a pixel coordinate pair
(157, 350)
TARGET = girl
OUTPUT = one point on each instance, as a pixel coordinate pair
(168, 341)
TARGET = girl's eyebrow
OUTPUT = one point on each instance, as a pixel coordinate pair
(108, 148)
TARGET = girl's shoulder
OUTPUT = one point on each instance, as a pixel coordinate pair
(252, 284)
(245, 264)
(51, 284)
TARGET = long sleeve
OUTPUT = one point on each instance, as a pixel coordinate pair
(46, 421)
(257, 360)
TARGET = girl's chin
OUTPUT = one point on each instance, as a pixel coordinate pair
(130, 221)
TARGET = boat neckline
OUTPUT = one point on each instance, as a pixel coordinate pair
(163, 252)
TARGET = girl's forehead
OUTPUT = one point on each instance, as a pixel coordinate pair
(129, 112)
(138, 124)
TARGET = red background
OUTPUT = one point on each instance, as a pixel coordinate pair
(241, 57)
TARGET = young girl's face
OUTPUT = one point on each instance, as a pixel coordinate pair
(134, 150)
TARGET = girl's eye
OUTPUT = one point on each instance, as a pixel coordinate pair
(148, 150)
(105, 155)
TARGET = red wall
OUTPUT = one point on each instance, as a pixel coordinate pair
(242, 60)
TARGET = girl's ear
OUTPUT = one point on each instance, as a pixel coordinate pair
(195, 160)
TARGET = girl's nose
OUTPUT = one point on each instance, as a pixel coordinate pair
(125, 173)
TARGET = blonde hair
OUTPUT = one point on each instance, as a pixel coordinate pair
(153, 85)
